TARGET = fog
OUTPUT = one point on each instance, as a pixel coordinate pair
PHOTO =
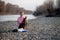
(27, 4)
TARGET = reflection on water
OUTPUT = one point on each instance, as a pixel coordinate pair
(14, 17)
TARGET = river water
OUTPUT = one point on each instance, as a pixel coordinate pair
(14, 17)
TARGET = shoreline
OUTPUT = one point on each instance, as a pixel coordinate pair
(42, 28)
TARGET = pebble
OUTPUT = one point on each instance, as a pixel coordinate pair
(39, 29)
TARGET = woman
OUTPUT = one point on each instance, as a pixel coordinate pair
(22, 24)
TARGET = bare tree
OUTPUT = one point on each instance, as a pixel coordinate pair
(46, 8)
(58, 3)
(2, 7)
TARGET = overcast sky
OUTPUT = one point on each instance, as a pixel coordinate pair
(27, 4)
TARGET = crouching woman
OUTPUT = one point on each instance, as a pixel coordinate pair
(22, 22)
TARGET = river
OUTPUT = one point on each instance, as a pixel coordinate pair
(14, 17)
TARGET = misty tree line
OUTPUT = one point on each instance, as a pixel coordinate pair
(48, 9)
(9, 8)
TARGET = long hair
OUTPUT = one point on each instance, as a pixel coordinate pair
(23, 24)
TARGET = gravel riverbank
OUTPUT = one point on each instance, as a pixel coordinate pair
(41, 28)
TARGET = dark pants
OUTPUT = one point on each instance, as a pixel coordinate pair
(21, 25)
